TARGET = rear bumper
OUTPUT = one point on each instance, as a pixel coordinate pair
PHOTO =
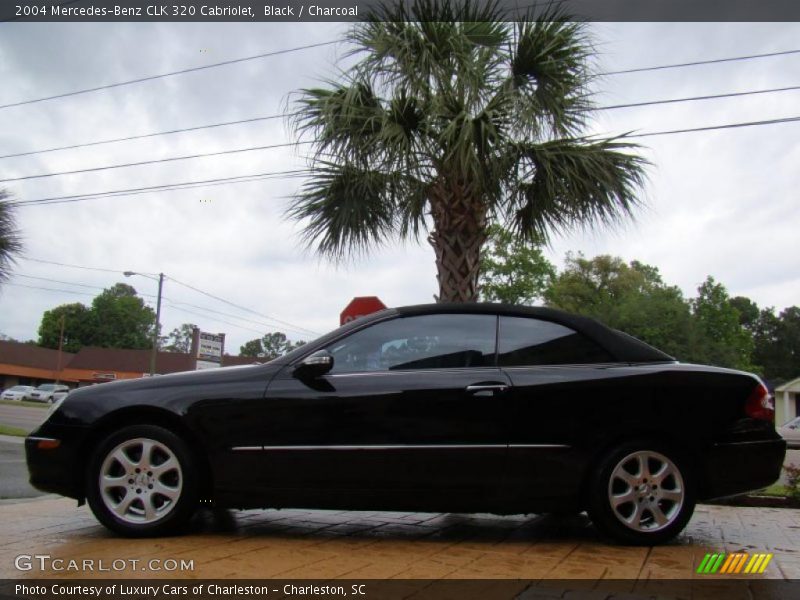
(739, 467)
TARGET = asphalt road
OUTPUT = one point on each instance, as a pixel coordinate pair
(23, 417)
(14, 472)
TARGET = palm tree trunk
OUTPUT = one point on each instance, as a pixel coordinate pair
(458, 236)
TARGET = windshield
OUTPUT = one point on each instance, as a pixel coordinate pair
(20, 388)
(47, 387)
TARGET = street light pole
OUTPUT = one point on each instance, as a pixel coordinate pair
(154, 353)
(158, 326)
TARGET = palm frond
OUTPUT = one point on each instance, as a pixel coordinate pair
(550, 70)
(10, 237)
(347, 209)
(569, 182)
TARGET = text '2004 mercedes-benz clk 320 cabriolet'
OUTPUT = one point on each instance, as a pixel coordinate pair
(457, 408)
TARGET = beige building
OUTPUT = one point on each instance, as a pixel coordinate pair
(787, 401)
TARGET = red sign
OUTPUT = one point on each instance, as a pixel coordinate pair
(360, 307)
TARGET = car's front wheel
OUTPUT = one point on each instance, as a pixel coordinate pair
(142, 481)
(641, 494)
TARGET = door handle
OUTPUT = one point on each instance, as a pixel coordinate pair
(487, 387)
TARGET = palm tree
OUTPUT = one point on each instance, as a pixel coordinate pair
(453, 118)
(10, 241)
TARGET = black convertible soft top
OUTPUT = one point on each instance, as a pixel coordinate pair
(623, 347)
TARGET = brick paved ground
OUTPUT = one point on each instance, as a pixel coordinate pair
(330, 544)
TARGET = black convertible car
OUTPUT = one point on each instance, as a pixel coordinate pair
(458, 408)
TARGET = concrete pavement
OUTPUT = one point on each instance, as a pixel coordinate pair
(13, 470)
(366, 545)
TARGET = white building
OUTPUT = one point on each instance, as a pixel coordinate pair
(787, 401)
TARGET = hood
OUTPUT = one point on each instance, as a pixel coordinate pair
(203, 377)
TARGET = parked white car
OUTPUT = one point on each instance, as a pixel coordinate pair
(18, 392)
(791, 432)
(48, 392)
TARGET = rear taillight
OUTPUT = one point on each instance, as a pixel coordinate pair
(760, 404)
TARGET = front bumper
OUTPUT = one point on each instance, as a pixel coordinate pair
(58, 469)
(738, 467)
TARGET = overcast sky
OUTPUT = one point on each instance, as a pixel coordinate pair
(723, 203)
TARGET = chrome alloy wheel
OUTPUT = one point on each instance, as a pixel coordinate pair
(140, 481)
(646, 491)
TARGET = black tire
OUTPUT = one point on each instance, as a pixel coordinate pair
(640, 495)
(154, 495)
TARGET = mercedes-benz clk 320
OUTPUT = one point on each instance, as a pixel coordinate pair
(456, 408)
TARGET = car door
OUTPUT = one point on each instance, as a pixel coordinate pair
(560, 380)
(412, 411)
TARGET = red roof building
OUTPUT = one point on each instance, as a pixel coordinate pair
(26, 364)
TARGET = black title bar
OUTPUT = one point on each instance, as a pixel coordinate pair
(359, 10)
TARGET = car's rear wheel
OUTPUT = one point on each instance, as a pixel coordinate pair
(142, 481)
(641, 494)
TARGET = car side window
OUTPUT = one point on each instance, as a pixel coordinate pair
(527, 341)
(418, 342)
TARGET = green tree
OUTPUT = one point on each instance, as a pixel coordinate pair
(786, 351)
(121, 318)
(271, 345)
(78, 327)
(10, 239)
(179, 339)
(631, 297)
(749, 313)
(725, 342)
(455, 116)
(117, 318)
(513, 270)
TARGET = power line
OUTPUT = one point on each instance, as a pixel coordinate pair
(37, 287)
(266, 326)
(97, 287)
(143, 136)
(163, 188)
(293, 327)
(282, 115)
(700, 62)
(249, 149)
(694, 98)
(171, 302)
(301, 172)
(170, 74)
(331, 42)
(713, 127)
(60, 264)
(213, 318)
(243, 308)
(159, 160)
(84, 285)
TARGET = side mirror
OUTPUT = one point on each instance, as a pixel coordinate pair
(314, 365)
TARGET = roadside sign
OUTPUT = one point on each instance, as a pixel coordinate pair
(360, 306)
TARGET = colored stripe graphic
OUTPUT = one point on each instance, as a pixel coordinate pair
(740, 564)
(765, 563)
(703, 563)
(728, 563)
(737, 562)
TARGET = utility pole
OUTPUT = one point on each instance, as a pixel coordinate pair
(158, 316)
(60, 349)
(158, 326)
